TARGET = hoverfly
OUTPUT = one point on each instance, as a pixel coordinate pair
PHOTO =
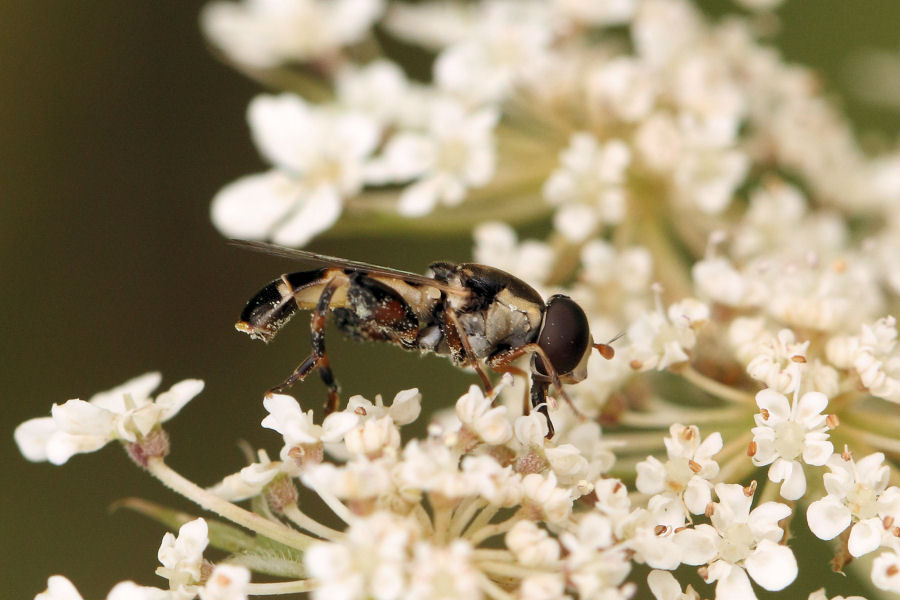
(477, 315)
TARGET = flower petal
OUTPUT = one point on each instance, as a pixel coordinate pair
(827, 517)
(865, 536)
(250, 207)
(771, 565)
(318, 212)
(32, 437)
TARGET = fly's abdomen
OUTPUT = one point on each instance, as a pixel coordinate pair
(275, 304)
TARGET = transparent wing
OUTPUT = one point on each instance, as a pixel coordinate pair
(313, 258)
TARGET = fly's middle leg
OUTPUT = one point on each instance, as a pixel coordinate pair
(460, 348)
(319, 358)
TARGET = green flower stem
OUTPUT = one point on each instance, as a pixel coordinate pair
(464, 514)
(482, 519)
(735, 463)
(666, 415)
(422, 517)
(476, 536)
(493, 590)
(179, 484)
(336, 506)
(282, 587)
(508, 570)
(493, 554)
(881, 442)
(441, 523)
(300, 519)
(716, 388)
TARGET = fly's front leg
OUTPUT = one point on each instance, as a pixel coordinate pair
(505, 367)
(539, 382)
(318, 359)
(539, 389)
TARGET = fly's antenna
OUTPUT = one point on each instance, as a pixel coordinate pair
(606, 350)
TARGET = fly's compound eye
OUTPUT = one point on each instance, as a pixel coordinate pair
(565, 336)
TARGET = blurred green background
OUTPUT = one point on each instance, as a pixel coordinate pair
(117, 128)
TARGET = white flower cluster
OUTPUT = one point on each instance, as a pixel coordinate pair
(704, 201)
(189, 574)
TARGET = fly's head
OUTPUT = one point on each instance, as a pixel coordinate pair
(565, 338)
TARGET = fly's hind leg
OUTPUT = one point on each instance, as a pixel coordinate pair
(318, 359)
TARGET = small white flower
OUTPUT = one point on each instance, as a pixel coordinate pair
(404, 409)
(379, 89)
(543, 586)
(543, 493)
(788, 431)
(594, 565)
(320, 157)
(886, 570)
(182, 556)
(747, 543)
(455, 153)
(373, 437)
(658, 340)
(589, 12)
(59, 588)
(431, 467)
(877, 360)
(489, 422)
(226, 582)
(532, 545)
(589, 185)
(129, 590)
(659, 142)
(718, 280)
(358, 479)
(686, 475)
(531, 429)
(496, 245)
(508, 42)
(664, 586)
(820, 594)
(778, 362)
(265, 33)
(369, 561)
(439, 572)
(707, 179)
(125, 413)
(297, 427)
(497, 484)
(858, 494)
(624, 86)
(662, 28)
(249, 481)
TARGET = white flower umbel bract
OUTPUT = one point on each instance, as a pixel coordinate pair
(125, 413)
(787, 431)
(320, 157)
(857, 494)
